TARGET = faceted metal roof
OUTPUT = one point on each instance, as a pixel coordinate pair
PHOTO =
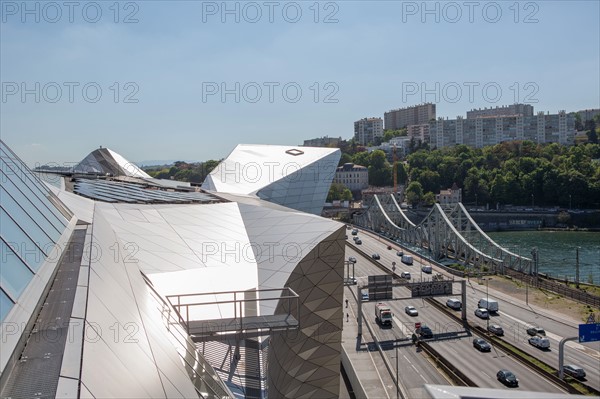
(138, 193)
(106, 161)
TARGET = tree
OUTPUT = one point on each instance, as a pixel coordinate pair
(429, 198)
(338, 191)
(414, 193)
(345, 158)
(380, 171)
(401, 174)
(361, 158)
(592, 136)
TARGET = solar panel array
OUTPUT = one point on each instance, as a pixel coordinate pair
(117, 191)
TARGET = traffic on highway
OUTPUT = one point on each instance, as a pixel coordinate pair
(472, 349)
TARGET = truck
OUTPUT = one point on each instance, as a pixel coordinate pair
(490, 304)
(383, 314)
(407, 259)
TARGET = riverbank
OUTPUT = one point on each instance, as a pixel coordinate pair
(549, 301)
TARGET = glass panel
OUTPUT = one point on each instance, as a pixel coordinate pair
(14, 275)
(5, 305)
(8, 177)
(26, 221)
(15, 237)
(53, 230)
(21, 179)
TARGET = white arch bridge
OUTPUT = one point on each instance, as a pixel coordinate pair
(444, 233)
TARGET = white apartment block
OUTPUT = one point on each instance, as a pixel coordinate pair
(367, 129)
(508, 110)
(484, 131)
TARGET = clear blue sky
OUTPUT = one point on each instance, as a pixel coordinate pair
(371, 57)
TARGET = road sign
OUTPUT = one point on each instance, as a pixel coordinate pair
(417, 325)
(591, 318)
(430, 288)
(589, 332)
(380, 287)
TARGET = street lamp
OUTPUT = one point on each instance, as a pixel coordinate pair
(569, 201)
(532, 198)
(487, 294)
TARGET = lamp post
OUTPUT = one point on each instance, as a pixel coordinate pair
(487, 294)
(475, 200)
(532, 198)
(569, 201)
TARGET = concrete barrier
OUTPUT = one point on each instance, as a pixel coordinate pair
(357, 387)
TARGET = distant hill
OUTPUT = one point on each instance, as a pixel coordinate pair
(160, 162)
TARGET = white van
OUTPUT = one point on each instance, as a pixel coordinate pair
(453, 303)
(407, 259)
(490, 304)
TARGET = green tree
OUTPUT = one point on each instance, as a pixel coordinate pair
(380, 171)
(429, 198)
(361, 158)
(345, 158)
(414, 193)
(401, 174)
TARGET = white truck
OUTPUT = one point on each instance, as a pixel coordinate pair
(490, 304)
(383, 314)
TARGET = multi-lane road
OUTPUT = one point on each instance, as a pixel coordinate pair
(451, 339)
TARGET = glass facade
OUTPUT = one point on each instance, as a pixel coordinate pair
(32, 220)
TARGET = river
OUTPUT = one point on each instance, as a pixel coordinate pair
(557, 251)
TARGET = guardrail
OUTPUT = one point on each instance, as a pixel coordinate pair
(457, 376)
(509, 348)
(503, 345)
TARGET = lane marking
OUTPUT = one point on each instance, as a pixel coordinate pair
(575, 345)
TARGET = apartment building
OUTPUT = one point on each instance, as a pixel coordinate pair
(508, 110)
(403, 117)
(367, 130)
(480, 132)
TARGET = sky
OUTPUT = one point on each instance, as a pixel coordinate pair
(189, 80)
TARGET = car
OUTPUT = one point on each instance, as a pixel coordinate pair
(574, 371)
(482, 313)
(365, 296)
(411, 311)
(424, 331)
(389, 247)
(540, 342)
(354, 232)
(355, 238)
(536, 331)
(507, 378)
(352, 259)
(426, 269)
(376, 256)
(453, 303)
(482, 345)
(496, 329)
(358, 242)
(400, 253)
(405, 275)
(351, 281)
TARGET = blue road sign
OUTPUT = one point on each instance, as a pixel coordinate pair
(589, 332)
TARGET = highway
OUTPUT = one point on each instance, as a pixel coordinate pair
(453, 342)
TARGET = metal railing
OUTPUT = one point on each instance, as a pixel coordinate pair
(179, 303)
